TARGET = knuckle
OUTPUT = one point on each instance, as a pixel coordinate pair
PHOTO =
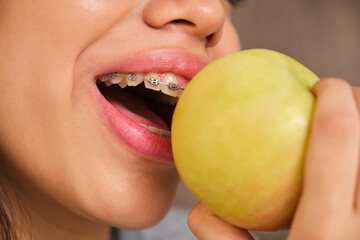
(327, 83)
(339, 124)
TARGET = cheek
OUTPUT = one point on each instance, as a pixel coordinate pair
(38, 53)
(229, 42)
(45, 140)
(139, 201)
(37, 60)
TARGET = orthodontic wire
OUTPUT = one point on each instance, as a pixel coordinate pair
(152, 81)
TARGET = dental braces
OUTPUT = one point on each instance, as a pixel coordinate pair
(153, 81)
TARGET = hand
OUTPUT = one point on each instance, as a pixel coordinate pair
(329, 206)
(207, 226)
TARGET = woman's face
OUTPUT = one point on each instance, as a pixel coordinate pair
(66, 144)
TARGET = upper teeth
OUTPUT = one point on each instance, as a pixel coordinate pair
(169, 85)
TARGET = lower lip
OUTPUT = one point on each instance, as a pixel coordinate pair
(137, 138)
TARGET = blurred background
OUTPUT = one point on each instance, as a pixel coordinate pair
(324, 35)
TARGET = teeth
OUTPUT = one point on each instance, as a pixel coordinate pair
(117, 79)
(170, 88)
(133, 80)
(182, 89)
(164, 99)
(161, 132)
(154, 81)
(173, 101)
(104, 78)
(122, 84)
(114, 78)
(108, 83)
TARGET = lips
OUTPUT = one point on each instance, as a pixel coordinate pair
(126, 118)
(176, 61)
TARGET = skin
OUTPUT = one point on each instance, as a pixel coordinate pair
(72, 175)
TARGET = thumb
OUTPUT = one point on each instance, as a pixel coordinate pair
(205, 225)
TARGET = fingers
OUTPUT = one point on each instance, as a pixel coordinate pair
(207, 226)
(356, 91)
(332, 155)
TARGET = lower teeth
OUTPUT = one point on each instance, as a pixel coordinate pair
(161, 132)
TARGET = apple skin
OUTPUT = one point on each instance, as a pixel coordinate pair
(239, 134)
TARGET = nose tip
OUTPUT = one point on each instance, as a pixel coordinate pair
(202, 19)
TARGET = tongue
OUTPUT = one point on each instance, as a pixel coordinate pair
(132, 106)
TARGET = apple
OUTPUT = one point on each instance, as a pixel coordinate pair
(239, 134)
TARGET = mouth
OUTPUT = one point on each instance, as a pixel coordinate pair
(150, 96)
(138, 96)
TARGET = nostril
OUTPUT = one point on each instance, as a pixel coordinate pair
(183, 21)
(211, 40)
(210, 37)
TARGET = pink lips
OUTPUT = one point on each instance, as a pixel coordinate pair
(122, 122)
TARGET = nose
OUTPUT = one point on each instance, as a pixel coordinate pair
(202, 19)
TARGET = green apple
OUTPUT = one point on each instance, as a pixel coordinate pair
(239, 134)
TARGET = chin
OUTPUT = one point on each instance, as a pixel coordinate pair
(137, 211)
(134, 200)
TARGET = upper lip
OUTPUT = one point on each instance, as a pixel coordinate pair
(177, 61)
